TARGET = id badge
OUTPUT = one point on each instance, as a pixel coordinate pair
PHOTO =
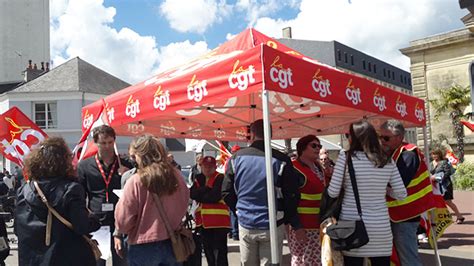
(107, 207)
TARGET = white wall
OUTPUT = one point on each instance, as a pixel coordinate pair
(24, 35)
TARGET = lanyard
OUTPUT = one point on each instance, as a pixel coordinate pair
(106, 179)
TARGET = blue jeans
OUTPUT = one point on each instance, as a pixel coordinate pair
(151, 254)
(235, 225)
(405, 240)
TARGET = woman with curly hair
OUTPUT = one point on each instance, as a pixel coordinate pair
(42, 238)
(137, 214)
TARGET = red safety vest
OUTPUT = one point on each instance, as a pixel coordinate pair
(212, 215)
(311, 192)
(419, 191)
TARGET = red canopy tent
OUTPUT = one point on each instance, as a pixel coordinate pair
(218, 95)
(249, 77)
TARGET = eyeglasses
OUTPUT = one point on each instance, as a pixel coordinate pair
(385, 138)
(314, 146)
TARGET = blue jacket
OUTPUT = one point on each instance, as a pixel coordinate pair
(245, 189)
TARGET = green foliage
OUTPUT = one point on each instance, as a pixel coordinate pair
(463, 178)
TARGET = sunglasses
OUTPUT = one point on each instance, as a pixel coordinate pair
(314, 146)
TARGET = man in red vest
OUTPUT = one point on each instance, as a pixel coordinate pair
(212, 215)
(405, 214)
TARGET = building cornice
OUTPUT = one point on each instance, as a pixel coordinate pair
(438, 41)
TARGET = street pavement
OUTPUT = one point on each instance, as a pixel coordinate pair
(456, 246)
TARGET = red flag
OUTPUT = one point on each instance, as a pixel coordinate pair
(452, 158)
(224, 154)
(86, 147)
(18, 135)
(468, 125)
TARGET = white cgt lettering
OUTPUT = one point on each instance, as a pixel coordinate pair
(87, 121)
(242, 79)
(198, 91)
(133, 109)
(353, 95)
(322, 87)
(401, 109)
(419, 114)
(379, 102)
(282, 77)
(18, 148)
(160, 102)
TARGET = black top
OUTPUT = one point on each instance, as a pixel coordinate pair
(94, 186)
(205, 194)
(67, 247)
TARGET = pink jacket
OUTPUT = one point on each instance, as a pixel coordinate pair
(137, 215)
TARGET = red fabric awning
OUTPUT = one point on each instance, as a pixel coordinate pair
(218, 95)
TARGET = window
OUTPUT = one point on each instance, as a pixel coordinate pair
(384, 72)
(363, 64)
(46, 115)
(352, 60)
(345, 58)
(370, 67)
(375, 68)
(338, 55)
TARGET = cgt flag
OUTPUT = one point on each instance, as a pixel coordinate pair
(18, 135)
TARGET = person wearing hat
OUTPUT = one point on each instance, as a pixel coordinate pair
(212, 216)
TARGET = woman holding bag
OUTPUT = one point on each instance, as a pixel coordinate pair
(137, 214)
(373, 172)
(43, 239)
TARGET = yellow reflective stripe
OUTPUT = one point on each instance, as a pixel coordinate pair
(411, 198)
(308, 210)
(418, 180)
(214, 211)
(311, 196)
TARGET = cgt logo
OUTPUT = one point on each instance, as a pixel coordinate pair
(379, 100)
(219, 133)
(161, 99)
(323, 87)
(353, 93)
(419, 113)
(280, 75)
(195, 132)
(110, 113)
(401, 107)
(88, 119)
(241, 78)
(197, 90)
(20, 147)
(241, 134)
(133, 107)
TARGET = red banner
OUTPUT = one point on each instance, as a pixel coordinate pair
(18, 135)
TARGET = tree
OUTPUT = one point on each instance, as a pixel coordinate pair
(452, 101)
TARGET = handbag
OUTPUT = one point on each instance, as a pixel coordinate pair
(181, 239)
(90, 242)
(331, 207)
(346, 235)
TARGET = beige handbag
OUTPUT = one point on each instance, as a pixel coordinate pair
(92, 243)
(181, 239)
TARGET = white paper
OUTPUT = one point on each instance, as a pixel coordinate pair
(102, 236)
(118, 192)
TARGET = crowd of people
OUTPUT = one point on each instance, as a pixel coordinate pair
(392, 182)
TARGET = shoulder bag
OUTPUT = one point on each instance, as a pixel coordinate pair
(92, 243)
(181, 239)
(346, 235)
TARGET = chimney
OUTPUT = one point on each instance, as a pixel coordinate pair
(33, 72)
(286, 32)
(47, 66)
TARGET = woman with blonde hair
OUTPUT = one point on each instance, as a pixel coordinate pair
(42, 238)
(136, 213)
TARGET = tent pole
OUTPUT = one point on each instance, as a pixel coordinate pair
(275, 260)
(431, 213)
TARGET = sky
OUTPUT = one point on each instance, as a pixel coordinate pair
(135, 39)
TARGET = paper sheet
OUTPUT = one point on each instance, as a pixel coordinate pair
(118, 192)
(103, 238)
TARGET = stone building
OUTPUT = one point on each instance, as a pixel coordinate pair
(440, 61)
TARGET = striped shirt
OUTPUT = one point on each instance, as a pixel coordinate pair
(372, 184)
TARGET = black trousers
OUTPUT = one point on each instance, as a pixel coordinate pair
(359, 261)
(214, 242)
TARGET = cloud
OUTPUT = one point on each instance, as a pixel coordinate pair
(123, 53)
(378, 28)
(194, 16)
(255, 9)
